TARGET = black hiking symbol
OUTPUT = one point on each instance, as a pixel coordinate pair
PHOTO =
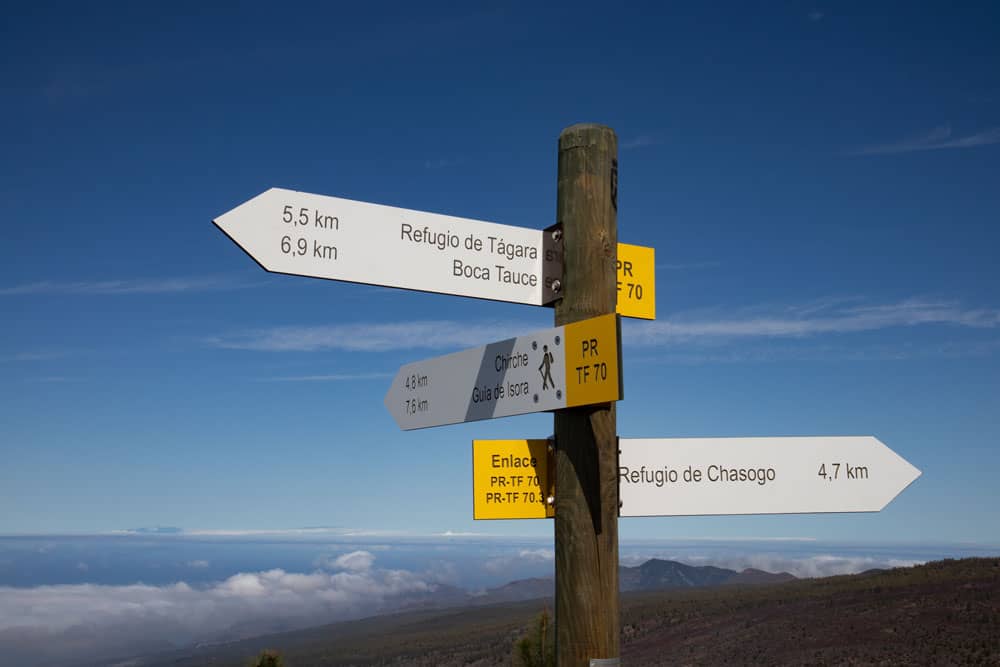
(546, 368)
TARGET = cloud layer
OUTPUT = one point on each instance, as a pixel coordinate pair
(37, 621)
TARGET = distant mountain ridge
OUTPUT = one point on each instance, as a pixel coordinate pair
(658, 574)
(653, 575)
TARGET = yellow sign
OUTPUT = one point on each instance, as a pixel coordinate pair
(636, 268)
(510, 479)
(592, 374)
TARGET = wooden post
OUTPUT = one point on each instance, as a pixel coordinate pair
(586, 517)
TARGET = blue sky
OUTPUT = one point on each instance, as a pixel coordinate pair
(819, 182)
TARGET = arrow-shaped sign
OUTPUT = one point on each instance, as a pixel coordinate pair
(305, 234)
(695, 476)
(575, 364)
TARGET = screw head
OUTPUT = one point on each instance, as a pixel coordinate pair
(556, 285)
(557, 235)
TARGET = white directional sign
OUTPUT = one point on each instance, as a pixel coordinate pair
(575, 364)
(312, 235)
(694, 476)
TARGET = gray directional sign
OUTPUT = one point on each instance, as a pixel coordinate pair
(575, 364)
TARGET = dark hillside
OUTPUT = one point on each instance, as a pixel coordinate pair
(941, 613)
(751, 577)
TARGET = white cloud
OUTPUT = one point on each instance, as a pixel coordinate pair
(37, 621)
(240, 598)
(130, 286)
(372, 337)
(355, 561)
(198, 564)
(537, 555)
(936, 139)
(511, 563)
(807, 320)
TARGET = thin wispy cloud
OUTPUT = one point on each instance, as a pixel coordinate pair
(808, 320)
(30, 356)
(333, 377)
(938, 138)
(308, 532)
(828, 317)
(372, 337)
(687, 266)
(442, 163)
(641, 141)
(132, 286)
(785, 351)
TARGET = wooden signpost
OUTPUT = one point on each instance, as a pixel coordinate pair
(582, 477)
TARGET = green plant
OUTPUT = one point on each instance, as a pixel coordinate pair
(268, 658)
(537, 648)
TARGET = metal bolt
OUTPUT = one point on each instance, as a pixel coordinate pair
(557, 235)
(558, 340)
(534, 345)
(536, 398)
(556, 285)
(551, 500)
(558, 393)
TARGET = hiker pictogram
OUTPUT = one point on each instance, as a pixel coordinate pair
(546, 368)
